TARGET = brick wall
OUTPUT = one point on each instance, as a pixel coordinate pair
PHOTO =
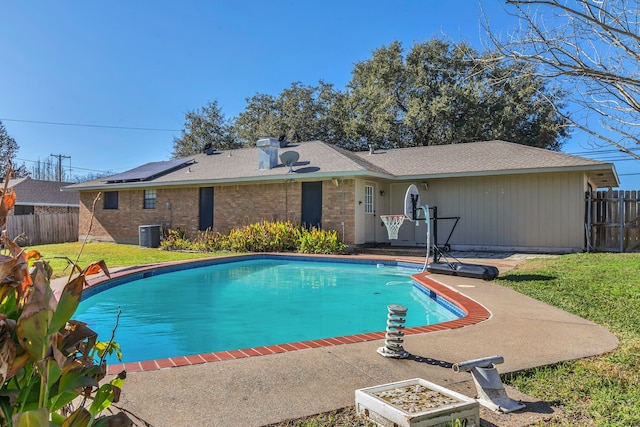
(239, 205)
(332, 208)
(55, 209)
(121, 225)
(234, 205)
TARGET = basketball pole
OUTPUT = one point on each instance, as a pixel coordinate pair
(427, 221)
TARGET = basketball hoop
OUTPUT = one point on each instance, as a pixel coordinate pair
(393, 223)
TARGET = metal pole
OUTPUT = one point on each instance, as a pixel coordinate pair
(621, 219)
(589, 222)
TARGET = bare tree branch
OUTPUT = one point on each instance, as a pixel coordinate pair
(589, 48)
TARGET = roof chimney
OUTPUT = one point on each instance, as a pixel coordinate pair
(267, 153)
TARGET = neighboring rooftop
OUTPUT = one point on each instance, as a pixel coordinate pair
(42, 193)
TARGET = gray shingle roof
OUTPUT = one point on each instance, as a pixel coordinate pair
(42, 193)
(489, 156)
(318, 159)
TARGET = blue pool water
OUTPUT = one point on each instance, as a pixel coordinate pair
(253, 303)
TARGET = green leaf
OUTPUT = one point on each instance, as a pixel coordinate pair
(67, 305)
(116, 420)
(104, 397)
(79, 418)
(76, 379)
(32, 330)
(7, 404)
(53, 371)
(70, 382)
(35, 418)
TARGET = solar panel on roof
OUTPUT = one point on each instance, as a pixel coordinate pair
(149, 171)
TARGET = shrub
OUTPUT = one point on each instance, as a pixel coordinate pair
(263, 236)
(46, 359)
(205, 241)
(175, 240)
(316, 241)
(211, 241)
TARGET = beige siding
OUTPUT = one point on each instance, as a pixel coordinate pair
(533, 212)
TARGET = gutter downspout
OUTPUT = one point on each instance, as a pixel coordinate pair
(342, 209)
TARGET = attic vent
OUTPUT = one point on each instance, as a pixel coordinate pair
(209, 149)
(282, 140)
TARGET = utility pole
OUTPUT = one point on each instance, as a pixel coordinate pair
(60, 157)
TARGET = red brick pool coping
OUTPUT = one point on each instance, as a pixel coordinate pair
(474, 313)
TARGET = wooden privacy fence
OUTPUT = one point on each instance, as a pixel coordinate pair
(613, 221)
(40, 229)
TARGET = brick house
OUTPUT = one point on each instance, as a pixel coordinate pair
(34, 196)
(508, 196)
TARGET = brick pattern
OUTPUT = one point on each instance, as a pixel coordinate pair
(334, 201)
(54, 209)
(234, 206)
(240, 205)
(43, 210)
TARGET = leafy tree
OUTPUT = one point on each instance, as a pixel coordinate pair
(206, 127)
(299, 113)
(592, 49)
(377, 99)
(257, 120)
(8, 149)
(439, 93)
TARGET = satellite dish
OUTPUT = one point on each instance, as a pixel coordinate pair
(289, 158)
(411, 202)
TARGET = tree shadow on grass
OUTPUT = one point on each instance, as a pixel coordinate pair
(526, 278)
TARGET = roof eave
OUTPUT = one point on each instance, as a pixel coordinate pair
(603, 175)
(238, 180)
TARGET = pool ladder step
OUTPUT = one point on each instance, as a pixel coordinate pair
(394, 337)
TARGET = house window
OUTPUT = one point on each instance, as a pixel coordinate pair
(149, 199)
(111, 200)
(368, 199)
(23, 210)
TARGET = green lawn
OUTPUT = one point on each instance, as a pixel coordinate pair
(115, 255)
(604, 288)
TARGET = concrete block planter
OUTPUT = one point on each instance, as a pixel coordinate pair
(416, 403)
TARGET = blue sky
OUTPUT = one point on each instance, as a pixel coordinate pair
(144, 64)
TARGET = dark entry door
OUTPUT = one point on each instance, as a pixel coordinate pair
(206, 208)
(312, 204)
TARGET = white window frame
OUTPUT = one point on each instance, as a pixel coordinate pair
(369, 207)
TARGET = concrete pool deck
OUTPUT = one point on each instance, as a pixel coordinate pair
(256, 391)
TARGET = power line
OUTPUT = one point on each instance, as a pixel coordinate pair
(89, 125)
(603, 151)
(74, 168)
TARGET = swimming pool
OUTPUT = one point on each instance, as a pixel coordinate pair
(249, 302)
